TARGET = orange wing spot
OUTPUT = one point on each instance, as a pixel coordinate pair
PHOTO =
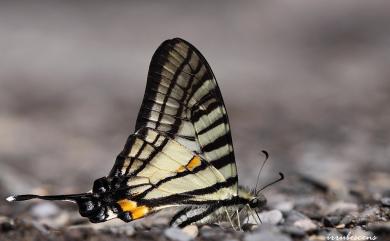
(127, 205)
(139, 212)
(195, 162)
(181, 169)
(191, 165)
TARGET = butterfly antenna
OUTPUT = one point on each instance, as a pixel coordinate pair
(272, 183)
(261, 168)
(71, 197)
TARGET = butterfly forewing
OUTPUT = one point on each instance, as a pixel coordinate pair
(182, 99)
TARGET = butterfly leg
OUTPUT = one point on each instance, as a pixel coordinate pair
(238, 219)
(254, 214)
(230, 219)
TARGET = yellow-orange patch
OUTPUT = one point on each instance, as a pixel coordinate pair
(195, 162)
(127, 205)
(139, 212)
(181, 169)
(191, 165)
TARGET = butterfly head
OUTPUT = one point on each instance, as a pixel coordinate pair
(258, 202)
(259, 199)
(255, 199)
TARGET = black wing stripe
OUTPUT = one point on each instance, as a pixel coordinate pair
(217, 143)
(200, 113)
(216, 123)
(222, 161)
(203, 80)
(178, 215)
(180, 197)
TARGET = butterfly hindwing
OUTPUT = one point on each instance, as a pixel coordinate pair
(183, 100)
(160, 172)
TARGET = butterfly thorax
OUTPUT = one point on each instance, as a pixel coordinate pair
(248, 199)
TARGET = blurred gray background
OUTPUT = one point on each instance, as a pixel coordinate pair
(308, 81)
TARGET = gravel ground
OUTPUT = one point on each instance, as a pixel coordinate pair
(308, 81)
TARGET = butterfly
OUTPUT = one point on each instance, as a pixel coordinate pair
(181, 154)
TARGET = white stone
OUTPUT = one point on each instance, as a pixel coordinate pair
(305, 224)
(342, 207)
(44, 210)
(177, 234)
(271, 217)
(191, 230)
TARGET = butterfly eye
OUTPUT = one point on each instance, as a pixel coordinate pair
(258, 202)
(253, 203)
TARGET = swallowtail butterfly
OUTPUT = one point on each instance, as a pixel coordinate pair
(181, 154)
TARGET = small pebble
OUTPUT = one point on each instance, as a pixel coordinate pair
(317, 238)
(177, 234)
(340, 226)
(362, 221)
(44, 210)
(306, 224)
(310, 207)
(127, 230)
(385, 201)
(191, 230)
(293, 216)
(347, 219)
(342, 208)
(293, 231)
(370, 212)
(266, 236)
(331, 221)
(272, 217)
(344, 231)
(284, 206)
(327, 231)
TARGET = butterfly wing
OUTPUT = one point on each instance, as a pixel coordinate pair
(182, 152)
(182, 99)
(159, 168)
(156, 171)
